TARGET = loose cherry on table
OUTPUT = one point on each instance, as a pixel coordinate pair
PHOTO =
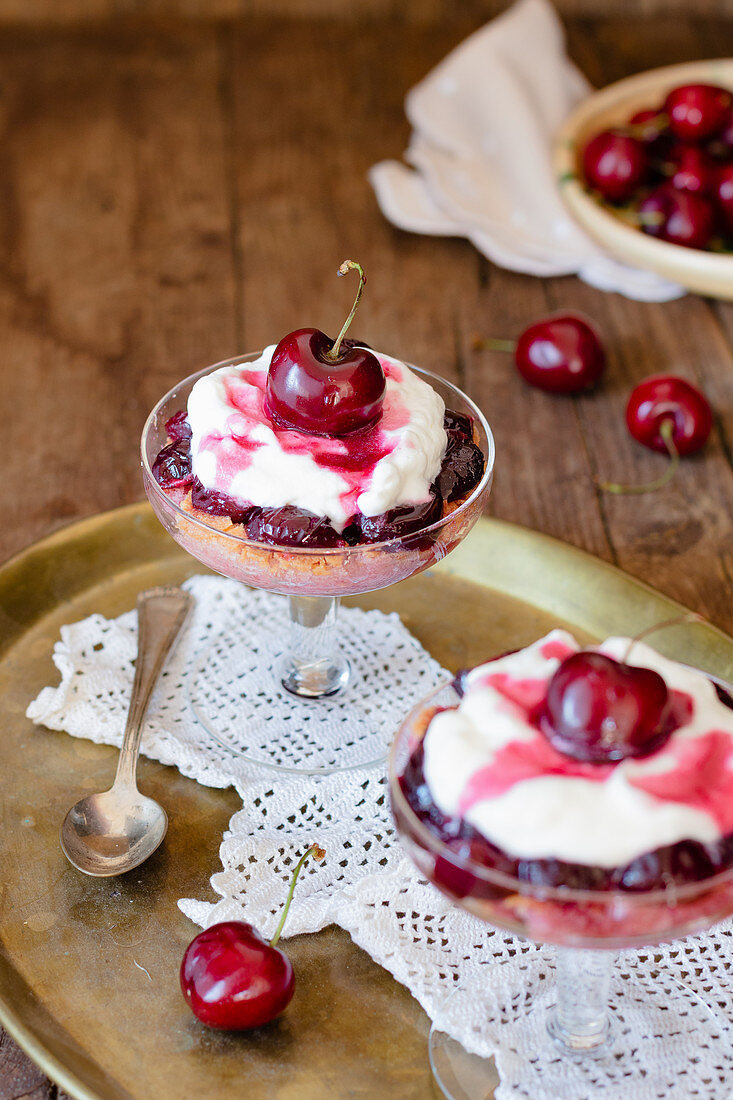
(321, 386)
(667, 399)
(562, 353)
(697, 111)
(614, 164)
(232, 978)
(666, 414)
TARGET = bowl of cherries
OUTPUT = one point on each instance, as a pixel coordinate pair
(646, 168)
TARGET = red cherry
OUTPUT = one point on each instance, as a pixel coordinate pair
(560, 354)
(667, 399)
(232, 978)
(600, 710)
(172, 466)
(697, 111)
(308, 392)
(678, 217)
(399, 522)
(648, 124)
(314, 385)
(694, 170)
(177, 426)
(614, 164)
(669, 415)
(724, 194)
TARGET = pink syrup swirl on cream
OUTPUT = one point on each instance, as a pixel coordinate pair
(554, 649)
(520, 760)
(354, 457)
(697, 772)
(701, 776)
(527, 693)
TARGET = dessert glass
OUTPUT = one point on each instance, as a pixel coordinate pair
(587, 926)
(313, 578)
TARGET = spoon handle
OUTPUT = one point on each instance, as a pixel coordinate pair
(161, 614)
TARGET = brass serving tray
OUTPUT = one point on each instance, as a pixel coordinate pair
(89, 968)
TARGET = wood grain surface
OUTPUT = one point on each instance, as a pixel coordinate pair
(175, 194)
(65, 13)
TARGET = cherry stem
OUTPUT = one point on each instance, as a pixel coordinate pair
(666, 431)
(688, 617)
(490, 344)
(318, 854)
(346, 266)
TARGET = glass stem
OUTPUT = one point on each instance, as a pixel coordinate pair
(579, 1020)
(314, 667)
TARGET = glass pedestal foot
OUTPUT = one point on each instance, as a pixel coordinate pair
(654, 1035)
(236, 688)
(459, 1074)
(314, 679)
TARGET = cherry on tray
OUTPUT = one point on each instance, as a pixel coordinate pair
(232, 978)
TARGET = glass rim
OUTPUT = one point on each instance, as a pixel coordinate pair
(317, 551)
(670, 893)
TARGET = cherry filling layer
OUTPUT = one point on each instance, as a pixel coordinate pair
(687, 861)
(461, 471)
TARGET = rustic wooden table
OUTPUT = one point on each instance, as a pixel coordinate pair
(175, 194)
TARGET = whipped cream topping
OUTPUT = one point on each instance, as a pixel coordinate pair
(487, 762)
(237, 450)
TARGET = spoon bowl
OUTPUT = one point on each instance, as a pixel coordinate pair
(111, 832)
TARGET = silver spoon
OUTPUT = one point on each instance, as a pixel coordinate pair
(112, 832)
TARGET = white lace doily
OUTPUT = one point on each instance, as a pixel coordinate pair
(366, 884)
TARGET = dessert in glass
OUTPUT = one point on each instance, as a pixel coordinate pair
(316, 469)
(578, 797)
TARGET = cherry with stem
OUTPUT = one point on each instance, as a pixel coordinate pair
(322, 386)
(234, 979)
(562, 353)
(669, 415)
(600, 710)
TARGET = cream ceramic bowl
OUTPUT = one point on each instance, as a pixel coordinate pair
(708, 273)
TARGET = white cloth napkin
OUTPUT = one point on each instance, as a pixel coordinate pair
(366, 884)
(483, 122)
